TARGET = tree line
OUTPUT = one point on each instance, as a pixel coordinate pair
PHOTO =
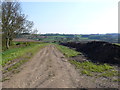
(13, 22)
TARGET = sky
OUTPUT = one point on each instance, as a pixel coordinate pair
(72, 16)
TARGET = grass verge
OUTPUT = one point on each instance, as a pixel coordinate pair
(91, 69)
(14, 53)
(67, 51)
(117, 44)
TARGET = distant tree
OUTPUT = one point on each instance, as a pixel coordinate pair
(69, 38)
(13, 21)
(76, 39)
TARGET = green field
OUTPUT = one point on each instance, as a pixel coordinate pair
(112, 38)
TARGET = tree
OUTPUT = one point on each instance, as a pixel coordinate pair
(27, 27)
(76, 39)
(0, 29)
(34, 31)
(13, 22)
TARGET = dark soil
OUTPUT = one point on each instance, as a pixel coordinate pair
(98, 51)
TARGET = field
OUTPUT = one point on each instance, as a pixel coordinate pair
(62, 49)
(51, 61)
(112, 37)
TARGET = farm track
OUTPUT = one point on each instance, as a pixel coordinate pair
(50, 69)
(47, 69)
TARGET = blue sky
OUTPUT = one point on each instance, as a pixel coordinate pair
(81, 17)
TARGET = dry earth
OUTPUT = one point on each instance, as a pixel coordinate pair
(50, 69)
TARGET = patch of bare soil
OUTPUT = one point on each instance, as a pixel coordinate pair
(50, 69)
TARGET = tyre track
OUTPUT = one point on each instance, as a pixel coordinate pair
(48, 69)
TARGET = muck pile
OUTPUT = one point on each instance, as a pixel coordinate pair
(98, 51)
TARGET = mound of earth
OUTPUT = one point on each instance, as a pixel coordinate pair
(98, 51)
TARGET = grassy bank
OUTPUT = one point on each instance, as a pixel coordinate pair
(15, 53)
(87, 67)
(67, 51)
(91, 69)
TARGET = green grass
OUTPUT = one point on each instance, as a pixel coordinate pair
(117, 44)
(90, 68)
(67, 51)
(109, 73)
(88, 73)
(14, 53)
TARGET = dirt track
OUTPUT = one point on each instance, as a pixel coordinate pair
(47, 69)
(50, 69)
